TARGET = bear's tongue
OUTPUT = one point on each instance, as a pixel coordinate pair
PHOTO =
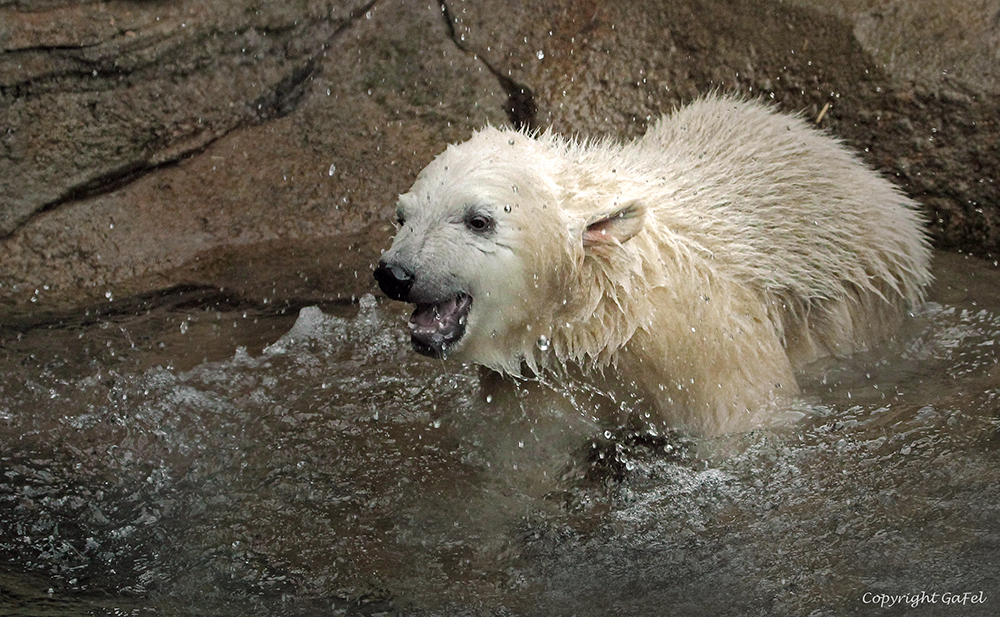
(435, 327)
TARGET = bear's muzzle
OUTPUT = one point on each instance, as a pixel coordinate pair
(435, 325)
(395, 281)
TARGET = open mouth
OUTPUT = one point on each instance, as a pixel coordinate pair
(435, 327)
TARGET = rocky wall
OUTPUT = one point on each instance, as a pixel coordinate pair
(257, 148)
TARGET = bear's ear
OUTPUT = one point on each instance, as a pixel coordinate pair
(619, 225)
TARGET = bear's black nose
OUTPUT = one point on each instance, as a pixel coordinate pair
(394, 280)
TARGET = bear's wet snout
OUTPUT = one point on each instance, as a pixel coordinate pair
(395, 281)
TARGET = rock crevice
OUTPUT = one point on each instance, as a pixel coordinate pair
(520, 106)
(141, 99)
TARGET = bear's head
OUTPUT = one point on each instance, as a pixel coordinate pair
(490, 251)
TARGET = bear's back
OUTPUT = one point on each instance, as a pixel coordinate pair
(789, 207)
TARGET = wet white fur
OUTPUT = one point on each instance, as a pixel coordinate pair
(727, 248)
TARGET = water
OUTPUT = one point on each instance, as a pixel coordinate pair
(195, 456)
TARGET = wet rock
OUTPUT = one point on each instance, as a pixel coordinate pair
(213, 137)
(95, 95)
(259, 148)
(928, 41)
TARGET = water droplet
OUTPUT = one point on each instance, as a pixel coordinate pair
(514, 188)
(506, 208)
(184, 327)
(540, 54)
(108, 295)
(489, 398)
(510, 141)
(333, 169)
(543, 343)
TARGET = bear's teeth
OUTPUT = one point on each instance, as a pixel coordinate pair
(435, 327)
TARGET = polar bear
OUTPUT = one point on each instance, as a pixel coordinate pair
(700, 266)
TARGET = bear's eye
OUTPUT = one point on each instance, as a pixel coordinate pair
(480, 223)
(400, 218)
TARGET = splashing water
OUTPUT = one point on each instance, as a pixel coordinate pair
(270, 464)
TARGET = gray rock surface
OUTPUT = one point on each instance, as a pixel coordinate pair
(259, 147)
